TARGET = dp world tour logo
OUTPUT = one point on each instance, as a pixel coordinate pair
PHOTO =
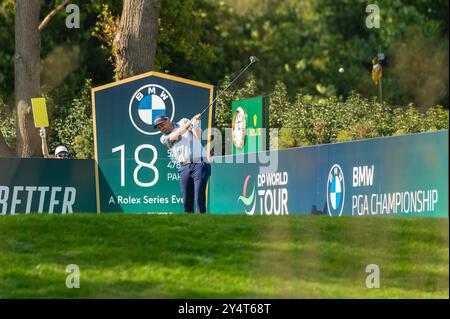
(146, 104)
(250, 200)
(335, 191)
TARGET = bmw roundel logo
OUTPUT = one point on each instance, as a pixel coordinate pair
(146, 104)
(335, 191)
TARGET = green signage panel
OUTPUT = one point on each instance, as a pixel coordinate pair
(135, 173)
(250, 125)
(390, 176)
(54, 186)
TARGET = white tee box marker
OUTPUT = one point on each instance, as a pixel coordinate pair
(39, 112)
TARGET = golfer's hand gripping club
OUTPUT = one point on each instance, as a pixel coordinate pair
(174, 136)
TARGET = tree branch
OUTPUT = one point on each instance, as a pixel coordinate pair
(52, 14)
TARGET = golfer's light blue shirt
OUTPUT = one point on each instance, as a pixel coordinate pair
(188, 148)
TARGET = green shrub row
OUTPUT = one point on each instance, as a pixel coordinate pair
(308, 120)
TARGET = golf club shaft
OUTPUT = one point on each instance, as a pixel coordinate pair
(245, 69)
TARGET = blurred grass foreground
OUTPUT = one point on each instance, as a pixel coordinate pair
(143, 256)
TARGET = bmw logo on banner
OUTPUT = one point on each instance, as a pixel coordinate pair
(146, 104)
(335, 191)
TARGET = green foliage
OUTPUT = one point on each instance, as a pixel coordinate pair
(73, 127)
(301, 45)
(7, 9)
(185, 44)
(328, 121)
(278, 108)
(83, 147)
(436, 118)
(286, 138)
(223, 105)
(344, 136)
(311, 120)
(8, 124)
(408, 30)
(106, 27)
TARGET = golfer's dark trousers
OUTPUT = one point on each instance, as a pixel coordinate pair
(193, 179)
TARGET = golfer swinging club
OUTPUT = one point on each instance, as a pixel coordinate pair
(184, 141)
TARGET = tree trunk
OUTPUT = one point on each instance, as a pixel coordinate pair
(134, 45)
(27, 75)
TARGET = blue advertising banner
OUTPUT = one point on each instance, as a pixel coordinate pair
(55, 186)
(135, 173)
(404, 175)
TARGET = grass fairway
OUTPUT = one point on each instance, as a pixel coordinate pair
(149, 256)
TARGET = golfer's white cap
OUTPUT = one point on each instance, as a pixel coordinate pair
(61, 149)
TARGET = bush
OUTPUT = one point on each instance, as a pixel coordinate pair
(279, 105)
(436, 118)
(74, 130)
(286, 138)
(344, 136)
(8, 125)
(314, 120)
(309, 120)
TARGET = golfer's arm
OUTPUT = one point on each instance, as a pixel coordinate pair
(174, 136)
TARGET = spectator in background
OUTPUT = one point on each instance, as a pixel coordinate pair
(60, 151)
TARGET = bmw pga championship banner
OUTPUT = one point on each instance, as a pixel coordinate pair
(392, 176)
(54, 186)
(135, 172)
